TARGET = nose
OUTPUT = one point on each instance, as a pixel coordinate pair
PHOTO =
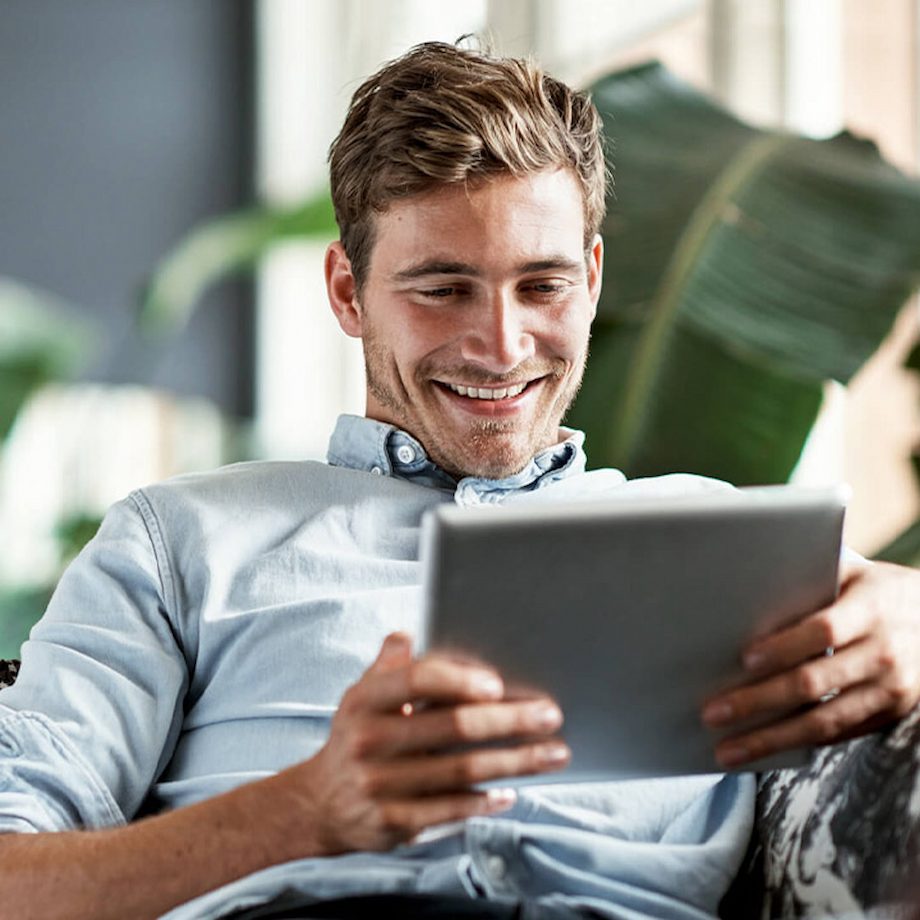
(498, 338)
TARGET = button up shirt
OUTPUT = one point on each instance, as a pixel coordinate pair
(205, 636)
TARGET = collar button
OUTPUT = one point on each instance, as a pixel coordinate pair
(405, 454)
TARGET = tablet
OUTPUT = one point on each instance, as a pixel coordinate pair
(629, 612)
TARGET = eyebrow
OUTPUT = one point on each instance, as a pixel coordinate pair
(446, 267)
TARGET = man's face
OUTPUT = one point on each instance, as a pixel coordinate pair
(475, 316)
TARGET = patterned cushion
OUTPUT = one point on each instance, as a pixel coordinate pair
(841, 835)
(8, 672)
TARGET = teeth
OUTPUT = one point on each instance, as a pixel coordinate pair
(482, 393)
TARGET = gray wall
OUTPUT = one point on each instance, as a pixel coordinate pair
(122, 124)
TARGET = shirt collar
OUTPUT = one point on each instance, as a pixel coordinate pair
(384, 450)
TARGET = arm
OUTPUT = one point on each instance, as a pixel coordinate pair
(381, 778)
(874, 673)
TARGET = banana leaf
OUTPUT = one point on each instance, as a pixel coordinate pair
(743, 268)
(223, 246)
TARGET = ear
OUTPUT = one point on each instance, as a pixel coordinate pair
(595, 272)
(342, 290)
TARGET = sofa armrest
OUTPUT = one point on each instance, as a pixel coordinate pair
(840, 835)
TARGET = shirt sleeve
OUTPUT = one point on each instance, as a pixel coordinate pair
(95, 712)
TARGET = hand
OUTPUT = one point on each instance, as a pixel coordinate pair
(388, 771)
(871, 679)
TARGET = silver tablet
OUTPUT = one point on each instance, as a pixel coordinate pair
(629, 612)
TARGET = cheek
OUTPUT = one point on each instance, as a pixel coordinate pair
(423, 332)
(568, 335)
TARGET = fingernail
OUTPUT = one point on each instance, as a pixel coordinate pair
(732, 756)
(497, 799)
(487, 685)
(754, 659)
(716, 713)
(552, 753)
(394, 644)
(547, 716)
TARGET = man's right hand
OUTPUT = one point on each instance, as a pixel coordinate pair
(394, 763)
(380, 779)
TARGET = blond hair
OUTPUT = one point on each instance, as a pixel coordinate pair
(440, 115)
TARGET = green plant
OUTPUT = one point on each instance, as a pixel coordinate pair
(744, 268)
(227, 244)
(40, 341)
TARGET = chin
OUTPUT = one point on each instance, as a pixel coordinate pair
(493, 461)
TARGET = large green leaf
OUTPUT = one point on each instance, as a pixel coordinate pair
(743, 268)
(227, 244)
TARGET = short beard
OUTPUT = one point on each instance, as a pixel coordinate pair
(487, 456)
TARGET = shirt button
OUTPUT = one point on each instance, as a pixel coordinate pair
(377, 471)
(496, 867)
(405, 454)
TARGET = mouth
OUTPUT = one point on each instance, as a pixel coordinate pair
(490, 402)
(508, 392)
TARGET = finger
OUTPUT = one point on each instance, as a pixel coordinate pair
(825, 723)
(434, 678)
(800, 686)
(396, 651)
(448, 773)
(406, 818)
(853, 566)
(437, 728)
(843, 622)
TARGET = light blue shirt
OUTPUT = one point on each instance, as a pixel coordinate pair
(205, 636)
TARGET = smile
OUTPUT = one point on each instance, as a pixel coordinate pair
(484, 393)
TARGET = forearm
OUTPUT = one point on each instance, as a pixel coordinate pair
(148, 867)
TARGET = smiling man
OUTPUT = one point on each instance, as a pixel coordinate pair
(475, 316)
(221, 714)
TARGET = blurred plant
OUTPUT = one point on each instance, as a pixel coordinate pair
(40, 341)
(743, 269)
(222, 246)
(73, 533)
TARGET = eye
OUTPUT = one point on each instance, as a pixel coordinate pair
(547, 290)
(439, 293)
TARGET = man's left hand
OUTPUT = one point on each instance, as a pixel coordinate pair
(802, 696)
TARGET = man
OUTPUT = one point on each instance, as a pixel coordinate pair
(222, 696)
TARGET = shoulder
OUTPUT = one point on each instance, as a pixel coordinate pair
(674, 484)
(267, 497)
(613, 484)
(238, 487)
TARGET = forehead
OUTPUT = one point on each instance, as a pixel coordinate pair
(505, 218)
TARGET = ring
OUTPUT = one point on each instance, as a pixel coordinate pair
(406, 709)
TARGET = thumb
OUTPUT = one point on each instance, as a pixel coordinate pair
(395, 651)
